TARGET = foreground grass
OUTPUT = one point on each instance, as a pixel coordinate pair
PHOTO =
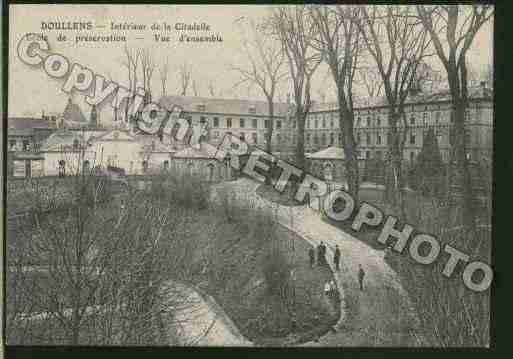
(257, 271)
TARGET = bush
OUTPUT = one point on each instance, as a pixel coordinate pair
(184, 191)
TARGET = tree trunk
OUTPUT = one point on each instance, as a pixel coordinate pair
(346, 119)
(463, 176)
(300, 147)
(269, 134)
(395, 180)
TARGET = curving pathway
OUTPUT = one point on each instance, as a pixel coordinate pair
(382, 314)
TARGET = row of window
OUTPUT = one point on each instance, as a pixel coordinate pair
(242, 122)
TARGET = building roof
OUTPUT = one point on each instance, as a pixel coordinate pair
(475, 92)
(152, 143)
(330, 153)
(25, 123)
(222, 106)
(73, 115)
(62, 139)
(205, 150)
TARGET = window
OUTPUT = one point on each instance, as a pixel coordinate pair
(166, 165)
(86, 167)
(331, 123)
(255, 123)
(294, 124)
(323, 122)
(308, 138)
(316, 123)
(308, 123)
(254, 137)
(378, 155)
(278, 124)
(228, 122)
(210, 171)
(332, 138)
(200, 107)
(323, 139)
(367, 154)
(144, 166)
(412, 120)
(378, 122)
(216, 134)
(216, 121)
(266, 123)
(340, 138)
(368, 122)
(278, 138)
(358, 137)
(316, 140)
(359, 121)
(412, 156)
(369, 139)
(242, 123)
(75, 145)
(242, 136)
(412, 139)
(12, 144)
(424, 118)
(378, 139)
(252, 110)
(202, 119)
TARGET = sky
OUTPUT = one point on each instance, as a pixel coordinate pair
(32, 91)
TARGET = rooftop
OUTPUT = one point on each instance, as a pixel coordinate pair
(223, 106)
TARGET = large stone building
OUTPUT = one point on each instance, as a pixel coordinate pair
(249, 120)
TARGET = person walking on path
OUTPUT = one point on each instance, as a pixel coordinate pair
(336, 258)
(322, 259)
(361, 275)
(319, 254)
(311, 254)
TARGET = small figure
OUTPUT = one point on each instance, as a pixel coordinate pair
(322, 254)
(361, 274)
(319, 254)
(311, 254)
(327, 288)
(333, 287)
(336, 258)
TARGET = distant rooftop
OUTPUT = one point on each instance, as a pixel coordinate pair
(27, 123)
(222, 106)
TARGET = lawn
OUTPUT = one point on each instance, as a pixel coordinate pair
(232, 259)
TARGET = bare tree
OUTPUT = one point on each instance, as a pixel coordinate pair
(339, 41)
(132, 65)
(164, 72)
(459, 25)
(147, 69)
(264, 69)
(371, 81)
(296, 32)
(185, 73)
(397, 44)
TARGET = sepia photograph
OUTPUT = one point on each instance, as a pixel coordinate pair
(304, 175)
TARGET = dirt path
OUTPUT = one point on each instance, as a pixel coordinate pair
(198, 321)
(381, 314)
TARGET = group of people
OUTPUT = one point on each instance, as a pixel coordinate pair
(321, 260)
(321, 256)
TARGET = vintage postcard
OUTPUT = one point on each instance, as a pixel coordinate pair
(249, 175)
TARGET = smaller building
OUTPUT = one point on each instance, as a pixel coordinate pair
(201, 161)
